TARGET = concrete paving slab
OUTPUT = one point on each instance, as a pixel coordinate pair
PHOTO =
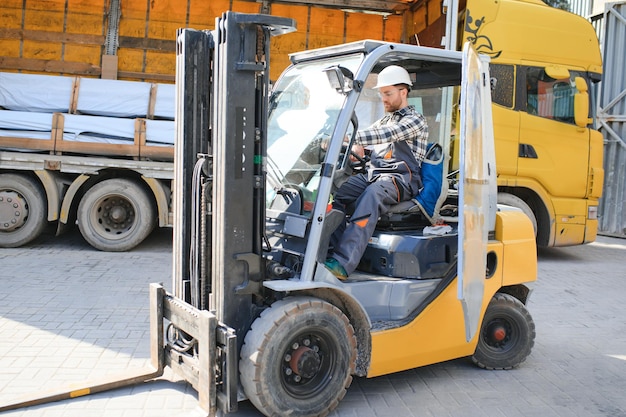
(70, 313)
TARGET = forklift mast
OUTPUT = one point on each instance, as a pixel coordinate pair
(222, 104)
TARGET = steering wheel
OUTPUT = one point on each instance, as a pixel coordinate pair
(360, 165)
(354, 166)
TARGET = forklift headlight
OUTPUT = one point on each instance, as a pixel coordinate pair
(340, 78)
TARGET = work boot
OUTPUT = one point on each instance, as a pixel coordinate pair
(336, 268)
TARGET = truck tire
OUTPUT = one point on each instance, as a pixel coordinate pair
(507, 334)
(23, 208)
(515, 201)
(116, 215)
(298, 358)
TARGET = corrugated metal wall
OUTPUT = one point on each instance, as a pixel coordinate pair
(612, 117)
(581, 7)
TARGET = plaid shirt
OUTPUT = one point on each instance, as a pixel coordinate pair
(404, 124)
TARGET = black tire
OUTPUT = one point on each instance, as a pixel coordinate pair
(298, 358)
(515, 201)
(23, 208)
(116, 215)
(507, 334)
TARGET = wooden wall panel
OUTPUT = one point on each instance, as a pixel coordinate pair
(202, 13)
(244, 7)
(364, 26)
(394, 29)
(83, 53)
(140, 22)
(85, 18)
(42, 50)
(418, 20)
(45, 15)
(88, 7)
(160, 63)
(65, 36)
(282, 46)
(12, 4)
(11, 17)
(434, 10)
(9, 48)
(81, 23)
(130, 60)
(133, 21)
(165, 18)
(326, 27)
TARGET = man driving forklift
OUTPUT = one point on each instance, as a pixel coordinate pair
(398, 143)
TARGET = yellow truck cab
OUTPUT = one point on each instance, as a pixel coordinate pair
(545, 66)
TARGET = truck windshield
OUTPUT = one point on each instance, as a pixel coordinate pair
(302, 115)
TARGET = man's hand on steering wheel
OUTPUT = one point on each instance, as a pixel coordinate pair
(358, 159)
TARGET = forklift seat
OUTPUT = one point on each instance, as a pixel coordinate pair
(422, 209)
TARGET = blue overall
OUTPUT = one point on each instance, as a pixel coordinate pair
(393, 176)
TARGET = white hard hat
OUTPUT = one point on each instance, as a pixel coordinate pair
(392, 75)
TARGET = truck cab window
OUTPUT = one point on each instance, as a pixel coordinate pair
(549, 97)
(502, 84)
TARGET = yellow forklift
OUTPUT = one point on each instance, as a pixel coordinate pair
(254, 312)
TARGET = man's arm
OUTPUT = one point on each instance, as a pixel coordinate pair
(407, 128)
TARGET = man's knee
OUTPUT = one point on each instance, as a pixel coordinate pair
(382, 191)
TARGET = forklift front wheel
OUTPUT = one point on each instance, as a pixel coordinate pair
(507, 334)
(298, 358)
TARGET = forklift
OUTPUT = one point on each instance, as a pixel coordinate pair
(254, 313)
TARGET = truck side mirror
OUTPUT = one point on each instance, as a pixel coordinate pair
(581, 103)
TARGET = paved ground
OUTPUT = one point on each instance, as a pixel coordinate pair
(69, 313)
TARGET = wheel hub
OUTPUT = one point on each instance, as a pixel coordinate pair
(116, 215)
(13, 211)
(305, 362)
(499, 333)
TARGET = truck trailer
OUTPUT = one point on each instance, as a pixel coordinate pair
(91, 151)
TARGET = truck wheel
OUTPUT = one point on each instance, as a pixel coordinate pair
(507, 334)
(116, 215)
(515, 201)
(22, 210)
(298, 358)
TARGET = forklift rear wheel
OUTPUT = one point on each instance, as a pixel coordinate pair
(116, 215)
(22, 210)
(507, 334)
(298, 358)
